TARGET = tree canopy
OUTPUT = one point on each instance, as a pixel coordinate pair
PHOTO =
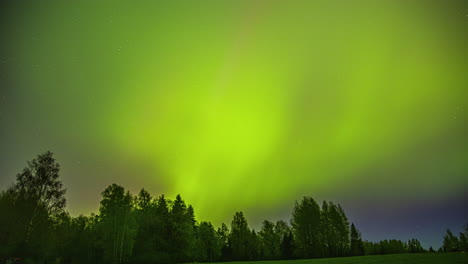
(144, 228)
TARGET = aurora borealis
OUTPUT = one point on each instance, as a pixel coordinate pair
(246, 105)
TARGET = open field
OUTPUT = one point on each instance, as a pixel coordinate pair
(435, 258)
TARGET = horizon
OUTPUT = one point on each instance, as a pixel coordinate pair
(374, 222)
(246, 106)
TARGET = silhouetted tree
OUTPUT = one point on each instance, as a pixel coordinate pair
(181, 230)
(143, 229)
(287, 246)
(383, 247)
(162, 231)
(306, 224)
(326, 232)
(414, 246)
(13, 225)
(357, 246)
(253, 246)
(451, 242)
(335, 230)
(371, 248)
(208, 243)
(117, 224)
(239, 237)
(148, 234)
(31, 207)
(464, 239)
(223, 234)
(270, 241)
(144, 201)
(392, 246)
(39, 184)
(74, 239)
(282, 228)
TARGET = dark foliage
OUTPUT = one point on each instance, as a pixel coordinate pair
(357, 246)
(145, 229)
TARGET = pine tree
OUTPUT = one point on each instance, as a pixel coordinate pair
(239, 237)
(223, 234)
(357, 246)
(208, 243)
(181, 230)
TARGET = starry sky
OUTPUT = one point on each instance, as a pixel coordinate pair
(246, 105)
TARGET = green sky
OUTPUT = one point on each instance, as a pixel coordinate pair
(239, 105)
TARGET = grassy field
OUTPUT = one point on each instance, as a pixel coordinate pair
(435, 258)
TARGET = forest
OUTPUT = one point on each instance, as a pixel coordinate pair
(141, 228)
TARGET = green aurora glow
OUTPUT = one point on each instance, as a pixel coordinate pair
(240, 105)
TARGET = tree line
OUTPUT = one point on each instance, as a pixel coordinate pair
(453, 243)
(146, 229)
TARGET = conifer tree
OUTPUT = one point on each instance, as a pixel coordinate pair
(357, 246)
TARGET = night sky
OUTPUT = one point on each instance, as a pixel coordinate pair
(246, 105)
